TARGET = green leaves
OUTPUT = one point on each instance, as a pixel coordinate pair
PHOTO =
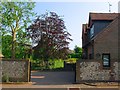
(15, 17)
(11, 12)
(6, 45)
(77, 53)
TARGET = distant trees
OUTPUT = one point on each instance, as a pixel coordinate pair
(49, 35)
(14, 18)
(77, 53)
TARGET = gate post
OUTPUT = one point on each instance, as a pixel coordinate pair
(75, 72)
(29, 71)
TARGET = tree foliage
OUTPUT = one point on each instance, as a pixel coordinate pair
(6, 45)
(48, 33)
(14, 18)
(77, 53)
(22, 50)
(77, 49)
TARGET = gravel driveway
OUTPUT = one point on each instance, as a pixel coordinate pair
(52, 78)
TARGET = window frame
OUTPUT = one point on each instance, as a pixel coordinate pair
(92, 31)
(104, 60)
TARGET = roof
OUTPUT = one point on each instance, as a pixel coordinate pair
(101, 16)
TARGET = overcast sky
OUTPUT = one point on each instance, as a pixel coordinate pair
(75, 14)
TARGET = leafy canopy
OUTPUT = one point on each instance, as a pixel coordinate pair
(49, 34)
(14, 18)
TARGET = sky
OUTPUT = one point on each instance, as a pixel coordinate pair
(75, 14)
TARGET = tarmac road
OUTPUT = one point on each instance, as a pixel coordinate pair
(52, 77)
(55, 81)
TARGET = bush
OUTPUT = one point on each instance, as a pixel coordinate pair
(52, 64)
(56, 63)
(71, 60)
(5, 78)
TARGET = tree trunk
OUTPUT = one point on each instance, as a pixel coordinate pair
(13, 44)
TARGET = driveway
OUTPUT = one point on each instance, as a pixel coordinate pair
(53, 77)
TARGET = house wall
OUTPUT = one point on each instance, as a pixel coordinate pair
(15, 70)
(85, 53)
(107, 42)
(89, 50)
(98, 27)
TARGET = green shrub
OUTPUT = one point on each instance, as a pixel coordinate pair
(56, 63)
(71, 60)
(52, 64)
(5, 78)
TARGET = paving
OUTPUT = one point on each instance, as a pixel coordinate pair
(31, 86)
(58, 87)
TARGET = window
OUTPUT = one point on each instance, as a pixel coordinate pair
(92, 31)
(106, 60)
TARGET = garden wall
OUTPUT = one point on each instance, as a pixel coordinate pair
(92, 70)
(15, 70)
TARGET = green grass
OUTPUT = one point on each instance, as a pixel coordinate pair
(53, 63)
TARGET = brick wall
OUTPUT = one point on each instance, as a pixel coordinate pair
(94, 71)
(16, 70)
(107, 41)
